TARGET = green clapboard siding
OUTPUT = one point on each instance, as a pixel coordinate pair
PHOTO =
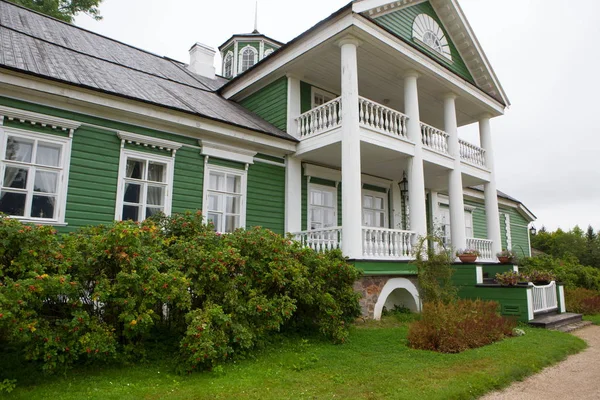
(385, 267)
(266, 197)
(512, 301)
(270, 103)
(401, 22)
(479, 219)
(188, 180)
(519, 231)
(305, 97)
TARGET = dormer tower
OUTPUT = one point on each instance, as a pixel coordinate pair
(243, 51)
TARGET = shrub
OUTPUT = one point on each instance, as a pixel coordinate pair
(435, 271)
(583, 301)
(458, 326)
(568, 270)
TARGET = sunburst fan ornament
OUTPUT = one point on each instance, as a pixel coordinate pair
(428, 31)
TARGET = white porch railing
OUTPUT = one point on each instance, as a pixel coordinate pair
(434, 138)
(320, 119)
(381, 118)
(544, 298)
(392, 244)
(471, 153)
(484, 247)
(321, 239)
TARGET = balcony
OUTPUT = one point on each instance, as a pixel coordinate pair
(386, 121)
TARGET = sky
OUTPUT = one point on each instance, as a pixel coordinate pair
(546, 147)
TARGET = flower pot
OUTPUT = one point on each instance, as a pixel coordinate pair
(505, 260)
(541, 283)
(467, 258)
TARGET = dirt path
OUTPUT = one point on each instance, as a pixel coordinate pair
(578, 377)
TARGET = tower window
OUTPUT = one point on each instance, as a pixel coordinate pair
(248, 57)
(228, 65)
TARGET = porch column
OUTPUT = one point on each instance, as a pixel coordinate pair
(490, 191)
(293, 194)
(455, 186)
(293, 104)
(416, 179)
(351, 172)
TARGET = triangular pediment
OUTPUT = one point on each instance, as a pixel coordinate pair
(462, 53)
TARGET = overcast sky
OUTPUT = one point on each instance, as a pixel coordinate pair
(547, 146)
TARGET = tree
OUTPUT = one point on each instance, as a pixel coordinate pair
(64, 10)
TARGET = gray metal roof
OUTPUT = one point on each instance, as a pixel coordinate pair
(36, 44)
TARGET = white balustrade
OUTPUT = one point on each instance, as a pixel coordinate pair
(381, 118)
(484, 247)
(321, 240)
(544, 297)
(434, 138)
(471, 153)
(381, 243)
(320, 119)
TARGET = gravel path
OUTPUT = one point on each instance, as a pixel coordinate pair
(578, 377)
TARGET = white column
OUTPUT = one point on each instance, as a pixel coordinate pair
(351, 173)
(490, 191)
(455, 186)
(416, 179)
(293, 195)
(293, 105)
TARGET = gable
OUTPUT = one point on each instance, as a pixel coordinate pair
(400, 22)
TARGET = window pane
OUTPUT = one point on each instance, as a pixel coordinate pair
(316, 198)
(214, 202)
(156, 172)
(233, 205)
(130, 212)
(15, 178)
(234, 184)
(48, 154)
(216, 220)
(150, 211)
(378, 203)
(156, 196)
(328, 197)
(232, 222)
(42, 207)
(368, 218)
(315, 225)
(135, 169)
(329, 218)
(316, 215)
(12, 203)
(381, 220)
(216, 181)
(45, 182)
(18, 149)
(368, 202)
(132, 193)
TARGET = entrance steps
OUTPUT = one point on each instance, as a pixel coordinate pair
(565, 322)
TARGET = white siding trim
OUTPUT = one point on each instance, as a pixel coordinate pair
(219, 150)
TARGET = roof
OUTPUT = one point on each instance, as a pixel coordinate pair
(254, 34)
(39, 45)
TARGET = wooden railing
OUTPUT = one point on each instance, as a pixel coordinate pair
(484, 247)
(321, 240)
(471, 153)
(544, 298)
(320, 119)
(434, 138)
(381, 243)
(381, 118)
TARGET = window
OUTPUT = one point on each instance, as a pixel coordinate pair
(33, 175)
(228, 65)
(445, 225)
(428, 31)
(320, 97)
(248, 57)
(322, 207)
(224, 199)
(374, 209)
(145, 185)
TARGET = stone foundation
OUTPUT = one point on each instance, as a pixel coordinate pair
(370, 288)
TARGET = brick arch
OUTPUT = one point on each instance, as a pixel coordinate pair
(400, 287)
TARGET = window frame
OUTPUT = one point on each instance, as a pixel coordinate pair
(334, 191)
(148, 157)
(63, 172)
(314, 91)
(241, 58)
(243, 173)
(228, 58)
(386, 210)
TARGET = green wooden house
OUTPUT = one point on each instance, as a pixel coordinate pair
(346, 137)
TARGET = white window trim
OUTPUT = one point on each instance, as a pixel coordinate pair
(315, 90)
(244, 188)
(241, 57)
(227, 152)
(386, 210)
(230, 56)
(317, 186)
(268, 52)
(63, 184)
(168, 160)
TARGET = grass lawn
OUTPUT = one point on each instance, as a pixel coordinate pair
(376, 364)
(594, 318)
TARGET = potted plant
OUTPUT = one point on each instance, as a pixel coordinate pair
(468, 255)
(541, 277)
(506, 256)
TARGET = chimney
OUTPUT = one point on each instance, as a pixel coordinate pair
(202, 60)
